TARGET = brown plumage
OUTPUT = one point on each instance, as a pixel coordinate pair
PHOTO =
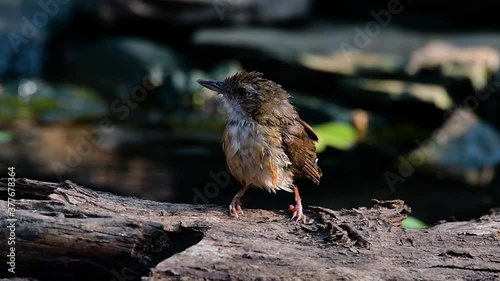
(265, 142)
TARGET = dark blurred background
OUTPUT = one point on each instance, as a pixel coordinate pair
(403, 95)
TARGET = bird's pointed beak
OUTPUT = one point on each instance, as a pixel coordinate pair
(214, 85)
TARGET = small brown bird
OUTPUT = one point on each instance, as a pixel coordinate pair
(265, 142)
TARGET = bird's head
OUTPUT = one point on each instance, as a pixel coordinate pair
(247, 91)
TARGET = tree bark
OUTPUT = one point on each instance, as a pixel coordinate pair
(67, 232)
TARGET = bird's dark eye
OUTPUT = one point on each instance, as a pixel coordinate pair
(241, 92)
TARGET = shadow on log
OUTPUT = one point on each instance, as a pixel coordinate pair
(67, 232)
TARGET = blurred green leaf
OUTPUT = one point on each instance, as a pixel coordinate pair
(338, 135)
(50, 103)
(412, 223)
(5, 137)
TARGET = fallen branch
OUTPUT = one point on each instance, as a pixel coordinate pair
(66, 232)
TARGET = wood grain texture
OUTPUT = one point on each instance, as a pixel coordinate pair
(65, 231)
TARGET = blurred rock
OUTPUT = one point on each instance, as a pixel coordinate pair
(464, 147)
(478, 63)
(320, 39)
(137, 77)
(198, 12)
(392, 91)
(354, 63)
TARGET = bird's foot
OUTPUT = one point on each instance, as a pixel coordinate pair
(297, 214)
(235, 207)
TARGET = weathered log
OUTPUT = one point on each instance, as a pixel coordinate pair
(67, 232)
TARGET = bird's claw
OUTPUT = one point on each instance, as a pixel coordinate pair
(298, 215)
(235, 208)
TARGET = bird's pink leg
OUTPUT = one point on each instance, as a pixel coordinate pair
(298, 215)
(235, 206)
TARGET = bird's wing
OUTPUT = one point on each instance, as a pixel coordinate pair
(298, 141)
(309, 130)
